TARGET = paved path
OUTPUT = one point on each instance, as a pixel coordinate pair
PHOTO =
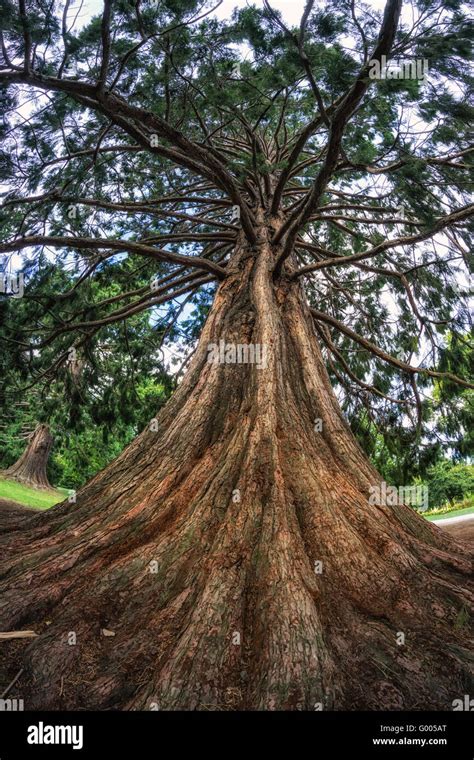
(452, 520)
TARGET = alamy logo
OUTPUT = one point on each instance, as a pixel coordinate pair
(383, 69)
(237, 353)
(463, 704)
(11, 705)
(383, 494)
(12, 285)
(42, 734)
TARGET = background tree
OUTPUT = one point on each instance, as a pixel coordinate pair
(402, 451)
(448, 484)
(99, 399)
(327, 215)
(31, 467)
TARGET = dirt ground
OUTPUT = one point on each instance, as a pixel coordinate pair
(463, 530)
(10, 511)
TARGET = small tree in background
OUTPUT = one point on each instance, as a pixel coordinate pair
(31, 467)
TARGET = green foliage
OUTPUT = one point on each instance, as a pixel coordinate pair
(449, 483)
(99, 401)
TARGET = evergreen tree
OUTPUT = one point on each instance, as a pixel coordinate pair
(324, 212)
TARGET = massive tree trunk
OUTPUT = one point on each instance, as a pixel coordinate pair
(30, 468)
(233, 551)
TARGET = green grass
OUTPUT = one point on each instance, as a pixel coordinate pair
(439, 515)
(29, 497)
(451, 509)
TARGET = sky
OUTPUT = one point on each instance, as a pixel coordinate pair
(291, 10)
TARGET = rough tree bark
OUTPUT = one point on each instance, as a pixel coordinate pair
(233, 551)
(30, 468)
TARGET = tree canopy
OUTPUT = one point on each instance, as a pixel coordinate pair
(137, 148)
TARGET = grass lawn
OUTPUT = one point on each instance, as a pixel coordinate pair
(29, 497)
(453, 513)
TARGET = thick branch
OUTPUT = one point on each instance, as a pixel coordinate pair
(117, 245)
(439, 225)
(381, 354)
(301, 215)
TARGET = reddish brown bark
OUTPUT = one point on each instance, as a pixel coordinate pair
(199, 548)
(30, 468)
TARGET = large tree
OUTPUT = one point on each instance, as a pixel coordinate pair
(234, 548)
